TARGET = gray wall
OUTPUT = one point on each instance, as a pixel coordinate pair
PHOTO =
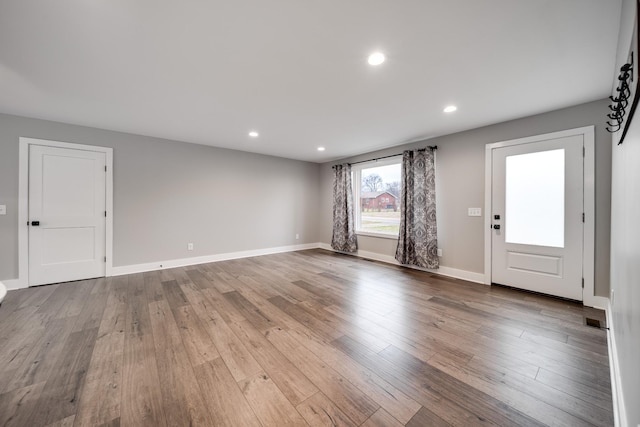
(168, 193)
(625, 244)
(460, 185)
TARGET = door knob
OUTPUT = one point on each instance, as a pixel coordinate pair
(496, 226)
(35, 223)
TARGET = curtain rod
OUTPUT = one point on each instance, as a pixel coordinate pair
(432, 147)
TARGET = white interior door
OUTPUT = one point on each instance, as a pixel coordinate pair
(537, 216)
(66, 214)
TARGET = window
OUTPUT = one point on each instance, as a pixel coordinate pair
(376, 194)
(534, 199)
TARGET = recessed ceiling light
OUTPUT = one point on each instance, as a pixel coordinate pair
(450, 109)
(320, 148)
(253, 134)
(376, 58)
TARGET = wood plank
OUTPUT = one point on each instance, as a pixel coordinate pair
(195, 338)
(52, 305)
(449, 410)
(319, 411)
(33, 297)
(425, 417)
(59, 398)
(377, 389)
(258, 285)
(67, 422)
(253, 314)
(282, 319)
(234, 353)
(226, 404)
(268, 402)
(199, 279)
(114, 315)
(345, 327)
(543, 393)
(101, 285)
(305, 318)
(293, 384)
(100, 400)
(75, 298)
(113, 423)
(217, 280)
(18, 337)
(141, 403)
(17, 406)
(173, 294)
(39, 364)
(382, 419)
(90, 315)
(181, 396)
(355, 404)
(520, 399)
(153, 286)
(591, 395)
(476, 401)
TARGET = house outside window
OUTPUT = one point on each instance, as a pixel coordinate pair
(376, 191)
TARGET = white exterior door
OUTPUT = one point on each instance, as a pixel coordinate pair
(537, 216)
(67, 222)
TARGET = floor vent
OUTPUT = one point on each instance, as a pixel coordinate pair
(593, 322)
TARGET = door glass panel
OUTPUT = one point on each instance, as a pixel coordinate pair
(535, 199)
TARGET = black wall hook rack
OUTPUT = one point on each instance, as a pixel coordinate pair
(624, 104)
(620, 103)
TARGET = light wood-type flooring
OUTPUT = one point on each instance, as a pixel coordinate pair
(304, 338)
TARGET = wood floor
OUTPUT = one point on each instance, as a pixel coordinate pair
(305, 338)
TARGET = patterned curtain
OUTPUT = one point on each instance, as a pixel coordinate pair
(418, 240)
(344, 234)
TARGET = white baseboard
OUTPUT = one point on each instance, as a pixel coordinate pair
(619, 410)
(469, 276)
(601, 303)
(183, 262)
(13, 284)
(443, 270)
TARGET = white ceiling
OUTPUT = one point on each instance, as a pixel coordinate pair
(209, 71)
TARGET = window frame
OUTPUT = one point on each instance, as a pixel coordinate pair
(356, 180)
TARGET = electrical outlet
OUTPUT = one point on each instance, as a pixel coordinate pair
(475, 212)
(297, 236)
(439, 252)
(190, 246)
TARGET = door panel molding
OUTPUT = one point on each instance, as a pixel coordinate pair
(542, 264)
(588, 255)
(23, 202)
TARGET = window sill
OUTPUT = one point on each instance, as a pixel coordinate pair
(379, 235)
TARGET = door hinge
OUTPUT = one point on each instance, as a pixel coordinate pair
(582, 216)
(584, 152)
(105, 259)
(105, 214)
(583, 283)
(105, 168)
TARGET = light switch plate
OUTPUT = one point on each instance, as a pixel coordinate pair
(3, 209)
(475, 211)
